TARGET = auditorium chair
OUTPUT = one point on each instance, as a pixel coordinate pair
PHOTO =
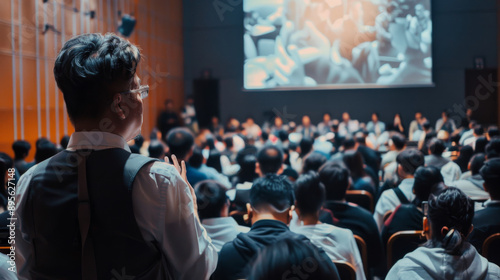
(363, 252)
(491, 248)
(361, 198)
(345, 269)
(401, 243)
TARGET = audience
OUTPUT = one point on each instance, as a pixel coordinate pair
(270, 211)
(213, 209)
(473, 186)
(486, 221)
(466, 153)
(408, 161)
(447, 254)
(313, 162)
(338, 243)
(336, 180)
(292, 258)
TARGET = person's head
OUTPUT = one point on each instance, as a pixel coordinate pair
(190, 100)
(211, 199)
(269, 160)
(313, 162)
(169, 104)
(271, 197)
(428, 180)
(493, 148)
(346, 117)
(180, 143)
(247, 168)
(472, 124)
(156, 150)
(250, 121)
(336, 180)
(278, 121)
(398, 140)
(480, 146)
(445, 115)
(476, 162)
(213, 160)
(408, 162)
(306, 121)
(228, 141)
(493, 132)
(64, 141)
(44, 150)
(449, 220)
(354, 161)
(309, 195)
(139, 141)
(375, 117)
(306, 145)
(360, 138)
(491, 176)
(215, 120)
(436, 147)
(97, 76)
(327, 118)
(21, 149)
(419, 11)
(6, 163)
(398, 119)
(478, 130)
(291, 258)
(349, 144)
(418, 116)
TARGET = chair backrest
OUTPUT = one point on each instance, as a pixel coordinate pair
(363, 252)
(491, 248)
(345, 269)
(401, 243)
(361, 198)
(4, 249)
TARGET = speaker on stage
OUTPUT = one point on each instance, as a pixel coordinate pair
(206, 100)
(481, 94)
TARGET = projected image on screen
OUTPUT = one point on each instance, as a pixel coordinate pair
(295, 44)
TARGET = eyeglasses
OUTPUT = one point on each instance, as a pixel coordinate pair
(142, 90)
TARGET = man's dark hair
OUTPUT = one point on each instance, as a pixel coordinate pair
(229, 142)
(493, 148)
(426, 180)
(211, 198)
(309, 193)
(306, 145)
(491, 175)
(139, 141)
(90, 68)
(180, 141)
(476, 162)
(399, 141)
(360, 138)
(313, 162)
(426, 125)
(478, 129)
(437, 146)
(348, 143)
(410, 160)
(282, 135)
(272, 190)
(270, 159)
(156, 149)
(493, 131)
(480, 146)
(21, 149)
(196, 159)
(45, 150)
(335, 178)
(64, 141)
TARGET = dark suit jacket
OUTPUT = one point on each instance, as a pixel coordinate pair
(486, 223)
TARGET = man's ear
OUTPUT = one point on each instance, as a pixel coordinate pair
(116, 106)
(281, 169)
(485, 187)
(290, 214)
(257, 169)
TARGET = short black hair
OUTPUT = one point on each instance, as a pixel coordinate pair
(306, 145)
(480, 146)
(139, 140)
(493, 148)
(335, 178)
(437, 146)
(64, 141)
(196, 159)
(478, 129)
(493, 131)
(491, 176)
(426, 180)
(348, 143)
(44, 150)
(21, 149)
(309, 193)
(90, 68)
(272, 190)
(270, 159)
(399, 140)
(410, 160)
(313, 162)
(211, 198)
(180, 141)
(229, 142)
(156, 149)
(476, 162)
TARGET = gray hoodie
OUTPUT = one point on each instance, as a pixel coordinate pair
(434, 263)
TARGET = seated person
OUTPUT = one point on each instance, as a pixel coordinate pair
(360, 221)
(428, 180)
(198, 162)
(435, 157)
(338, 243)
(270, 211)
(408, 161)
(447, 254)
(397, 143)
(486, 221)
(213, 209)
(493, 148)
(274, 262)
(473, 185)
(361, 181)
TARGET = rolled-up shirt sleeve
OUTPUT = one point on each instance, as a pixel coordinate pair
(164, 210)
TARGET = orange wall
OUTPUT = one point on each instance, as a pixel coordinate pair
(31, 108)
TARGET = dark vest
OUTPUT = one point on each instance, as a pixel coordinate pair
(51, 216)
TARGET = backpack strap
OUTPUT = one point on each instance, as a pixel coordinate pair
(402, 198)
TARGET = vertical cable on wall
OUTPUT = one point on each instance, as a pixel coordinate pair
(14, 80)
(37, 61)
(100, 26)
(108, 10)
(21, 85)
(46, 69)
(82, 17)
(56, 90)
(63, 40)
(73, 17)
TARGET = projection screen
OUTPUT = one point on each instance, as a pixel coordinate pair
(321, 44)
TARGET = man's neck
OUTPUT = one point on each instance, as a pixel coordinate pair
(309, 220)
(267, 216)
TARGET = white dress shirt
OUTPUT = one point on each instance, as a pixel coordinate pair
(163, 209)
(388, 201)
(222, 230)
